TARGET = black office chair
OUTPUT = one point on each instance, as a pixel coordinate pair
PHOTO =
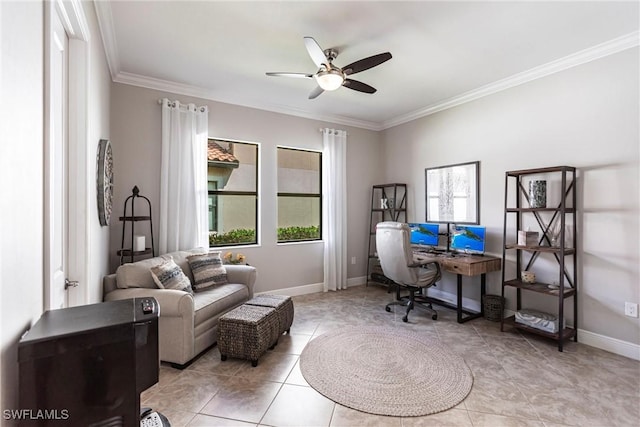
(396, 259)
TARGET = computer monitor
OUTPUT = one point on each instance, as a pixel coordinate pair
(468, 239)
(423, 234)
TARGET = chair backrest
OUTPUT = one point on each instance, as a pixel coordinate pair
(394, 252)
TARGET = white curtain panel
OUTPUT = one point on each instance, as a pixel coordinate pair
(334, 208)
(183, 177)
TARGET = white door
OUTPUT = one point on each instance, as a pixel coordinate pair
(56, 177)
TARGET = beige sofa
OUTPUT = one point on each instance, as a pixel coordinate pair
(188, 322)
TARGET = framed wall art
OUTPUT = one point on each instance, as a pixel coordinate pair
(453, 193)
(105, 181)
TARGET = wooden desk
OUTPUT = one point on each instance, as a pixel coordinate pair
(464, 265)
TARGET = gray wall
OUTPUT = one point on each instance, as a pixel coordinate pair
(21, 172)
(136, 139)
(21, 259)
(585, 117)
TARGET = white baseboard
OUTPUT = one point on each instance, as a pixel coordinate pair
(312, 288)
(296, 290)
(467, 303)
(356, 281)
(613, 345)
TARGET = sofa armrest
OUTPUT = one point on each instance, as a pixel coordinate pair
(173, 303)
(244, 274)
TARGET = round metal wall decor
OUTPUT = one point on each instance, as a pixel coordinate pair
(105, 181)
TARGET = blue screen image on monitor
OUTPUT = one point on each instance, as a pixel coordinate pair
(468, 238)
(423, 234)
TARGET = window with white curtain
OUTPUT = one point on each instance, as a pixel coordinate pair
(232, 183)
(299, 195)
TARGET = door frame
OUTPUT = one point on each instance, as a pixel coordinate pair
(74, 20)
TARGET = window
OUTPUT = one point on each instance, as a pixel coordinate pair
(232, 182)
(299, 195)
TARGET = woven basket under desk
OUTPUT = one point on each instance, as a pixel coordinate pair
(493, 307)
(246, 332)
(283, 306)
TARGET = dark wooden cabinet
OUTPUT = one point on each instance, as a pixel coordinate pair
(388, 203)
(555, 223)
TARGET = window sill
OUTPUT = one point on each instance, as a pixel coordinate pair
(302, 242)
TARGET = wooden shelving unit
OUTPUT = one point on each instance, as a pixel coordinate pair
(388, 203)
(548, 219)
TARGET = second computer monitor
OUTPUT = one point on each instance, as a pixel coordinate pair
(424, 234)
(468, 239)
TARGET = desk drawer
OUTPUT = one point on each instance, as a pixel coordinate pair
(464, 269)
(472, 266)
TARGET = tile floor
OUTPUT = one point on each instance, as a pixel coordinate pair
(519, 380)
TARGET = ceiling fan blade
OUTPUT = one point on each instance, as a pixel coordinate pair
(315, 52)
(316, 92)
(297, 75)
(366, 63)
(359, 86)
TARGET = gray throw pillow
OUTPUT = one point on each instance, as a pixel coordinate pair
(208, 270)
(169, 275)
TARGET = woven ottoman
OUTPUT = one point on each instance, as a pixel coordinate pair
(283, 306)
(246, 332)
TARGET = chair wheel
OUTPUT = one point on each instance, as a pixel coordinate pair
(254, 363)
(405, 319)
(434, 317)
(223, 357)
(388, 309)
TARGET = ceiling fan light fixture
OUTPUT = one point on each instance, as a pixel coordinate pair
(330, 79)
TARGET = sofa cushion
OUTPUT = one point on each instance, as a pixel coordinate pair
(217, 300)
(169, 275)
(208, 270)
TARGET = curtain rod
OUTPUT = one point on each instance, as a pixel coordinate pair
(332, 130)
(202, 108)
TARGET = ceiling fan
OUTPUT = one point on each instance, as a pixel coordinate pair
(330, 77)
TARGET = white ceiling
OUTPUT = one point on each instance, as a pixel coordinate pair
(444, 53)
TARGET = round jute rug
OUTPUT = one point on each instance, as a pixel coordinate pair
(385, 371)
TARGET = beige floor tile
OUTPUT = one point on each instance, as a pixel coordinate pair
(189, 391)
(209, 421)
(566, 405)
(273, 366)
(211, 362)
(304, 326)
(480, 419)
(582, 386)
(291, 344)
(533, 371)
(295, 376)
(167, 374)
(299, 406)
(450, 418)
(243, 399)
(498, 397)
(179, 418)
(347, 417)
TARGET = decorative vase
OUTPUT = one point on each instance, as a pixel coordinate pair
(538, 194)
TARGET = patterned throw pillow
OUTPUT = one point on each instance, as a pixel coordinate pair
(169, 275)
(207, 270)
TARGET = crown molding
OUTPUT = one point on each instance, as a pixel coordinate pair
(199, 92)
(107, 31)
(581, 57)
